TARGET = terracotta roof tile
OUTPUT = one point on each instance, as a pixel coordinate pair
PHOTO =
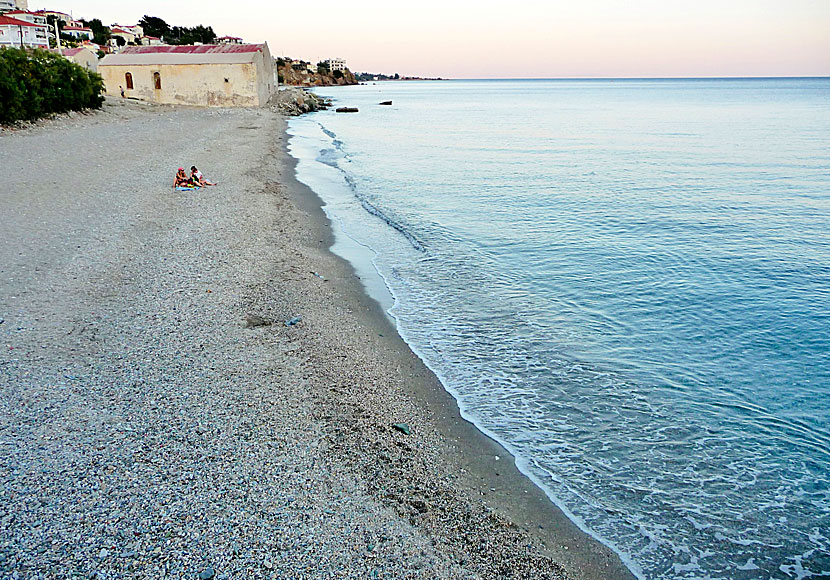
(194, 49)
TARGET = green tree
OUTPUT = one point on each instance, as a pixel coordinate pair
(100, 33)
(38, 83)
(154, 26)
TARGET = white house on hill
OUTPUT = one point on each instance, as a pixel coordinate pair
(8, 5)
(336, 64)
(80, 32)
(20, 33)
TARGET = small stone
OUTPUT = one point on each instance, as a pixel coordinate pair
(207, 574)
(402, 427)
(293, 321)
(254, 321)
(420, 505)
(103, 553)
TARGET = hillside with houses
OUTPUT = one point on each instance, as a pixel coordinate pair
(152, 60)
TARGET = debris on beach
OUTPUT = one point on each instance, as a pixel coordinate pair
(320, 276)
(254, 320)
(402, 427)
(294, 321)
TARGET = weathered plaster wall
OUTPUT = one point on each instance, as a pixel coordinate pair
(86, 59)
(212, 85)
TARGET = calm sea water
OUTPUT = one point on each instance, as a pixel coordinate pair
(625, 282)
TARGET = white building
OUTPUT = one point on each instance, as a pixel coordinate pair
(20, 33)
(62, 16)
(32, 17)
(127, 35)
(79, 32)
(135, 30)
(336, 64)
(9, 5)
(229, 40)
(83, 56)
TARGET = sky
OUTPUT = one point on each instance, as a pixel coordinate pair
(516, 39)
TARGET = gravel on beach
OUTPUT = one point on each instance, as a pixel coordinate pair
(192, 386)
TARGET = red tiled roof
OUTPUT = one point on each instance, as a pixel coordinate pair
(6, 21)
(191, 49)
(121, 31)
(72, 51)
(77, 28)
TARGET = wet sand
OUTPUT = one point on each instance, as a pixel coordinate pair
(158, 417)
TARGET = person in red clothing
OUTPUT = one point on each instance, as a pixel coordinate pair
(181, 180)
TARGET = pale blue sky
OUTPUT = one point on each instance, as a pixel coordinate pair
(523, 38)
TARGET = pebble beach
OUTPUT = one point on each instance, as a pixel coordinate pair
(193, 386)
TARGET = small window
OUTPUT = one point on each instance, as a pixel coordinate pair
(129, 80)
(157, 80)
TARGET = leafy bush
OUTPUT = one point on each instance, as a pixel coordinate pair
(37, 83)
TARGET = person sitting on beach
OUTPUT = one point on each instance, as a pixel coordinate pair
(197, 177)
(181, 180)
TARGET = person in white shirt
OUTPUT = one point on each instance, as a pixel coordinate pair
(197, 177)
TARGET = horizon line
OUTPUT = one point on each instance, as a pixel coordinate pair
(602, 78)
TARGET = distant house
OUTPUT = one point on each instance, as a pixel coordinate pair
(31, 17)
(79, 32)
(127, 35)
(21, 33)
(82, 56)
(9, 5)
(150, 41)
(91, 46)
(136, 30)
(336, 64)
(209, 75)
(229, 40)
(62, 16)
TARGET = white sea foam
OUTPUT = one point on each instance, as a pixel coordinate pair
(624, 282)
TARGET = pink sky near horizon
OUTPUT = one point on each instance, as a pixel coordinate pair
(526, 38)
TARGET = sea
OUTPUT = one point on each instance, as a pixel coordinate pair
(625, 282)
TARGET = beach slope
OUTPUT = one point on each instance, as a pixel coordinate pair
(191, 383)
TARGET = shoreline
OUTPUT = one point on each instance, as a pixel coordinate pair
(159, 431)
(513, 492)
